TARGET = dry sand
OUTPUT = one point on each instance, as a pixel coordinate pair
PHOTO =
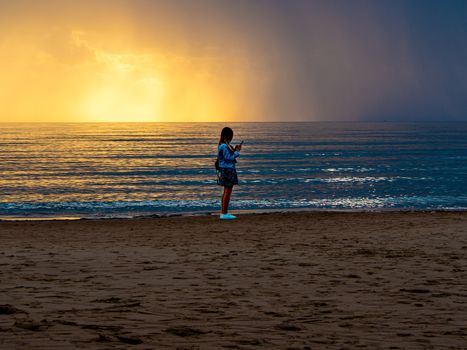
(276, 281)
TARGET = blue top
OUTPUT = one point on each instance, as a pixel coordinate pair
(226, 157)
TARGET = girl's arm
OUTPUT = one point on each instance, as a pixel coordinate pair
(227, 154)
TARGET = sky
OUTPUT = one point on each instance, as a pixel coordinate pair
(224, 60)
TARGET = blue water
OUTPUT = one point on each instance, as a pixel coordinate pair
(115, 169)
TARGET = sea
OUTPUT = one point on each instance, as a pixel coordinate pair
(93, 170)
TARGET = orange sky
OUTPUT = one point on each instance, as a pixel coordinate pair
(232, 60)
(88, 63)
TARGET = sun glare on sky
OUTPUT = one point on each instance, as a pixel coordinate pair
(125, 88)
(232, 60)
(60, 73)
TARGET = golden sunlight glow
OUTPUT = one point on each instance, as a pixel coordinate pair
(71, 75)
(119, 102)
(124, 90)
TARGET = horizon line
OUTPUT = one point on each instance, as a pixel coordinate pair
(217, 122)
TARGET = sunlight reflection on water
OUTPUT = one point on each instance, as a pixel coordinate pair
(107, 168)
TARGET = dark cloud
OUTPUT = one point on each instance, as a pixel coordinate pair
(333, 59)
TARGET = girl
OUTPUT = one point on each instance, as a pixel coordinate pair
(227, 175)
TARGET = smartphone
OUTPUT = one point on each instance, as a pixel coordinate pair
(241, 143)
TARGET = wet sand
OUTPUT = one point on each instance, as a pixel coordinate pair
(301, 280)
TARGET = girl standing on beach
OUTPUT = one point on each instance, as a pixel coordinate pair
(227, 175)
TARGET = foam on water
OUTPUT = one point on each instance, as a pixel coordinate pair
(130, 209)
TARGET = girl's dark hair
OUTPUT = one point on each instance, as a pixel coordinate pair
(226, 135)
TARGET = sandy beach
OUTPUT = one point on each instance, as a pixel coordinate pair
(305, 280)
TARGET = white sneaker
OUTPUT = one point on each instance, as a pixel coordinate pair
(227, 217)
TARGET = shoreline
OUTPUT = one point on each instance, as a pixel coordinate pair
(236, 212)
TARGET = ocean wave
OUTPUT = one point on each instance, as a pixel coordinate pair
(346, 179)
(93, 209)
(361, 179)
(349, 169)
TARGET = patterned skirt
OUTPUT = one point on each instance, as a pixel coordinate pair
(227, 177)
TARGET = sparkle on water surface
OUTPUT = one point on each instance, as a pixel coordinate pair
(106, 169)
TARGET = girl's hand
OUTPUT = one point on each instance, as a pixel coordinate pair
(238, 148)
